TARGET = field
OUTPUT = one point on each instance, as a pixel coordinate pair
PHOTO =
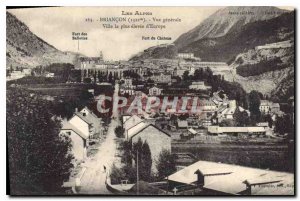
(278, 157)
(70, 90)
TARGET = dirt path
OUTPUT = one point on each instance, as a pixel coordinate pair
(93, 180)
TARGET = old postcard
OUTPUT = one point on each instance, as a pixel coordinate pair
(167, 101)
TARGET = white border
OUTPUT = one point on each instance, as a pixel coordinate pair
(4, 3)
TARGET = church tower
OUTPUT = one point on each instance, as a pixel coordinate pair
(101, 56)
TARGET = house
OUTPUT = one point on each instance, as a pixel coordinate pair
(97, 123)
(162, 78)
(157, 139)
(265, 106)
(236, 130)
(199, 86)
(128, 91)
(192, 131)
(78, 140)
(275, 108)
(124, 118)
(131, 121)
(263, 124)
(155, 91)
(128, 83)
(241, 109)
(217, 99)
(185, 55)
(227, 111)
(214, 178)
(49, 75)
(182, 124)
(207, 105)
(82, 124)
(206, 122)
(27, 71)
(268, 107)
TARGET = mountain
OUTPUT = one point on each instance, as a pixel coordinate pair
(230, 31)
(232, 34)
(226, 20)
(226, 47)
(164, 51)
(265, 70)
(25, 49)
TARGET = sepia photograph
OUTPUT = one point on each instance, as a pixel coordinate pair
(150, 101)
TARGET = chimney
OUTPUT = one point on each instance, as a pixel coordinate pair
(200, 179)
(248, 188)
(76, 109)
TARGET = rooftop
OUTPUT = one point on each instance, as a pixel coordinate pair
(68, 126)
(231, 179)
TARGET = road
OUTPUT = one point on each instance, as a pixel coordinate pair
(93, 180)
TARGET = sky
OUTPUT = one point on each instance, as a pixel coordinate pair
(55, 25)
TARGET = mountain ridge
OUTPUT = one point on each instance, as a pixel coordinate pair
(25, 49)
(225, 20)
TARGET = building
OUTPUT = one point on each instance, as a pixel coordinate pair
(130, 92)
(186, 55)
(263, 124)
(182, 124)
(228, 110)
(130, 122)
(224, 179)
(155, 91)
(49, 75)
(207, 105)
(275, 108)
(218, 68)
(236, 130)
(128, 83)
(282, 44)
(124, 118)
(161, 78)
(217, 99)
(78, 140)
(268, 107)
(16, 74)
(27, 71)
(157, 139)
(97, 123)
(265, 106)
(206, 122)
(199, 86)
(81, 123)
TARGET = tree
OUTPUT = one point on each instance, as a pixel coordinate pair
(254, 103)
(241, 118)
(142, 151)
(166, 164)
(185, 76)
(119, 131)
(39, 158)
(284, 125)
(198, 74)
(87, 80)
(146, 162)
(110, 78)
(268, 118)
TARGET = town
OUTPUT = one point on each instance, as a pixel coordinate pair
(191, 132)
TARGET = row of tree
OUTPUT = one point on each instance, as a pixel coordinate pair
(137, 159)
(39, 159)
